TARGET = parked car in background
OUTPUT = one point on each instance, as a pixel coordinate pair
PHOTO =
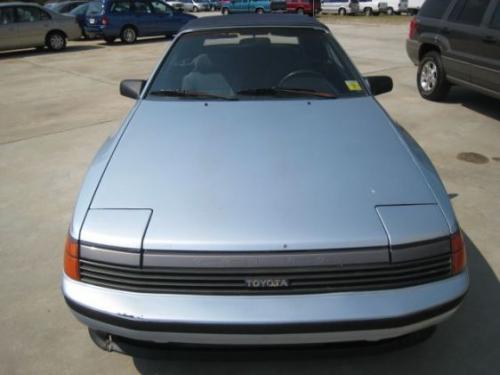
(279, 6)
(79, 13)
(25, 25)
(215, 5)
(258, 194)
(369, 7)
(64, 7)
(195, 5)
(410, 7)
(303, 6)
(130, 19)
(389, 7)
(246, 6)
(456, 42)
(340, 7)
(176, 4)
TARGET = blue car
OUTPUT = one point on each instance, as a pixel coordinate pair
(246, 6)
(130, 19)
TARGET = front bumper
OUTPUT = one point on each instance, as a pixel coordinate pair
(265, 320)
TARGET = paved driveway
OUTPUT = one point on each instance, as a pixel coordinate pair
(56, 110)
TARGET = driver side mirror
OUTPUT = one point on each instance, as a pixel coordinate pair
(379, 84)
(132, 88)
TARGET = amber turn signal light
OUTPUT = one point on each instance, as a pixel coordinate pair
(71, 255)
(458, 256)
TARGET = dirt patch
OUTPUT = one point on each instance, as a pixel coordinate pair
(473, 157)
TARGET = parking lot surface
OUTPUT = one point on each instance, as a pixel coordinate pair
(57, 109)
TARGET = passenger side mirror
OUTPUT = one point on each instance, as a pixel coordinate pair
(132, 88)
(379, 84)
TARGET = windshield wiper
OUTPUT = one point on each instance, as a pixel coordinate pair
(278, 91)
(190, 94)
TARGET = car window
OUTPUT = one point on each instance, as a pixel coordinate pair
(120, 6)
(229, 62)
(7, 16)
(80, 10)
(96, 8)
(31, 14)
(495, 21)
(160, 7)
(469, 12)
(434, 8)
(141, 6)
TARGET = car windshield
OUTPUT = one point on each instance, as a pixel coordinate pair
(257, 62)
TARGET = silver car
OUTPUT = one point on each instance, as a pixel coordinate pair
(340, 7)
(258, 194)
(195, 5)
(25, 25)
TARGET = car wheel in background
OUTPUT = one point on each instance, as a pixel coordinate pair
(128, 35)
(431, 77)
(195, 9)
(390, 11)
(109, 39)
(56, 41)
(368, 11)
(259, 11)
(300, 11)
(342, 12)
(225, 11)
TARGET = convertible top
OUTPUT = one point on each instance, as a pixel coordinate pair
(252, 20)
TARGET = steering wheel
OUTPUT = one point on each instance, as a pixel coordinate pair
(300, 72)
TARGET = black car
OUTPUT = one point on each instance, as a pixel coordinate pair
(456, 42)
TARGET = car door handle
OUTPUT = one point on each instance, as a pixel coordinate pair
(489, 39)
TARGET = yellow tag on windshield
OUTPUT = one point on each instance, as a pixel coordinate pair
(353, 85)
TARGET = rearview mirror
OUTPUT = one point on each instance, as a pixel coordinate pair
(379, 84)
(132, 88)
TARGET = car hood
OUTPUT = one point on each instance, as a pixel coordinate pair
(261, 175)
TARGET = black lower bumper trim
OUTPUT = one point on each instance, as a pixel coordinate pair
(355, 325)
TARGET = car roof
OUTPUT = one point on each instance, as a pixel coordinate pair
(252, 20)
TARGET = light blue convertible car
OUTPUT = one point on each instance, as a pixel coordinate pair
(258, 194)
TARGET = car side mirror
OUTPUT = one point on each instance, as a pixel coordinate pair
(132, 88)
(379, 84)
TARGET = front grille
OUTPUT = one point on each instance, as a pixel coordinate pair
(233, 281)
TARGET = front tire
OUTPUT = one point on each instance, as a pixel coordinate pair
(225, 11)
(390, 11)
(300, 11)
(195, 9)
(259, 11)
(342, 12)
(56, 41)
(431, 77)
(368, 12)
(128, 35)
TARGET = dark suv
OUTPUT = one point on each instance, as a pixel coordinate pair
(456, 42)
